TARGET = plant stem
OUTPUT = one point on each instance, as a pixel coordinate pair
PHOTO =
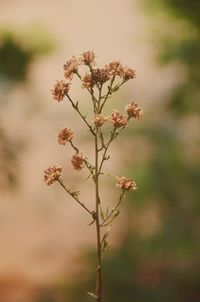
(75, 106)
(108, 93)
(105, 221)
(105, 146)
(75, 197)
(98, 233)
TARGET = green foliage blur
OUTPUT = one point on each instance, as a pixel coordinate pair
(158, 258)
(14, 59)
(18, 51)
(181, 44)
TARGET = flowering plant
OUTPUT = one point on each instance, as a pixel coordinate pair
(101, 84)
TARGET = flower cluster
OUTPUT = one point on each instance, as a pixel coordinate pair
(101, 84)
(52, 174)
(118, 120)
(65, 135)
(78, 161)
(99, 120)
(71, 67)
(126, 184)
(115, 68)
(100, 75)
(95, 76)
(133, 110)
(88, 57)
(129, 74)
(112, 72)
(60, 89)
(87, 81)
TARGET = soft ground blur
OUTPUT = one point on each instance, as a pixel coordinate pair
(46, 244)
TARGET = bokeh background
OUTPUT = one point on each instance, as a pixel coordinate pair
(46, 246)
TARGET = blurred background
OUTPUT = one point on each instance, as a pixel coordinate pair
(46, 247)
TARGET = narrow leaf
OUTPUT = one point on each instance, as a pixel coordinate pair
(92, 295)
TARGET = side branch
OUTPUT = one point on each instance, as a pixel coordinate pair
(105, 146)
(105, 222)
(108, 93)
(75, 106)
(74, 195)
(90, 167)
(113, 135)
(94, 100)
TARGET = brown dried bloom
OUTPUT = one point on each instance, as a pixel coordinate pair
(126, 184)
(65, 135)
(88, 57)
(118, 120)
(60, 89)
(71, 67)
(52, 174)
(78, 161)
(87, 81)
(133, 110)
(129, 73)
(100, 75)
(115, 68)
(99, 120)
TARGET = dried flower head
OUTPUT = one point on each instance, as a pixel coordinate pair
(133, 110)
(88, 57)
(87, 81)
(65, 135)
(126, 184)
(60, 89)
(115, 68)
(71, 67)
(52, 174)
(100, 75)
(78, 161)
(99, 120)
(129, 73)
(118, 120)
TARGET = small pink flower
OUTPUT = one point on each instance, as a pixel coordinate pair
(126, 184)
(118, 120)
(65, 135)
(52, 174)
(60, 89)
(88, 57)
(71, 67)
(133, 110)
(78, 161)
(100, 75)
(99, 120)
(115, 68)
(87, 81)
(129, 73)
